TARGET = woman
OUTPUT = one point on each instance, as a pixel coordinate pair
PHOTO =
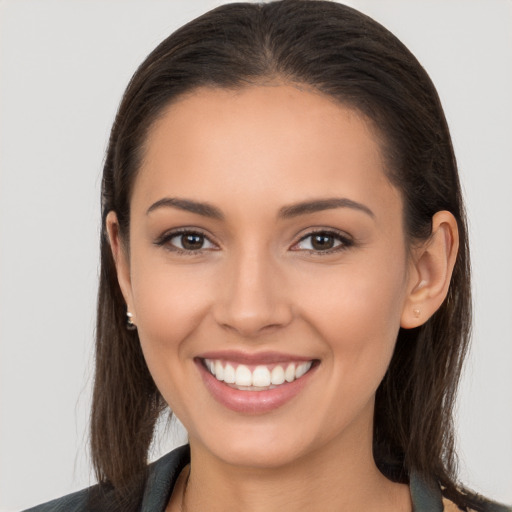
(284, 264)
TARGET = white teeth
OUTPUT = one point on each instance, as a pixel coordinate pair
(219, 370)
(229, 374)
(289, 373)
(260, 378)
(243, 376)
(302, 369)
(277, 376)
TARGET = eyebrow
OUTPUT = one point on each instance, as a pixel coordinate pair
(318, 205)
(286, 212)
(204, 209)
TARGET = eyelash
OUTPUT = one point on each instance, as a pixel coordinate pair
(163, 240)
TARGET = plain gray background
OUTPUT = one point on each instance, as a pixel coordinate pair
(63, 67)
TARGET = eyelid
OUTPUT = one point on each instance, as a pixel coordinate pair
(345, 239)
(163, 240)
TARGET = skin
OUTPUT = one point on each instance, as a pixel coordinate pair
(257, 286)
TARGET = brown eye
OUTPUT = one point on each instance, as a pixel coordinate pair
(185, 241)
(324, 241)
(321, 242)
(192, 241)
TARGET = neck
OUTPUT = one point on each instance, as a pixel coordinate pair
(340, 475)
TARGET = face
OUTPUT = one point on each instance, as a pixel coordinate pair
(267, 247)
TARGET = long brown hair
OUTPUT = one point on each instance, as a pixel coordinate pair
(355, 60)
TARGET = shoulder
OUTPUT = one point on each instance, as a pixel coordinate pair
(75, 502)
(429, 496)
(92, 499)
(479, 504)
(161, 477)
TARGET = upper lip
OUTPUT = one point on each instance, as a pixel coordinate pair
(267, 357)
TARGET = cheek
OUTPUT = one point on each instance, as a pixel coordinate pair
(170, 303)
(358, 322)
(357, 310)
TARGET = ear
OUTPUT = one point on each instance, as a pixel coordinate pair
(431, 272)
(121, 260)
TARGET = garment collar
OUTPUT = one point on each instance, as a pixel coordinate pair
(165, 471)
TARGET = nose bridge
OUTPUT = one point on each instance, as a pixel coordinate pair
(253, 298)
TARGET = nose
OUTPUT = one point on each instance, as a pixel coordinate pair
(252, 298)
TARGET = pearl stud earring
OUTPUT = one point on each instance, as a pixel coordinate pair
(129, 322)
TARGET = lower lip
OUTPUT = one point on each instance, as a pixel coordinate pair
(253, 402)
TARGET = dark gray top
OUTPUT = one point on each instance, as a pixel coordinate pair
(164, 473)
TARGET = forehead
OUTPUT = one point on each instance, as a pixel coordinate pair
(281, 142)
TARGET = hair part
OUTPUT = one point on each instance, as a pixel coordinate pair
(357, 62)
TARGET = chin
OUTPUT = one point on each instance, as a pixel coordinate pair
(263, 446)
(259, 455)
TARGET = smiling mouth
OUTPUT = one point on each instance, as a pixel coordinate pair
(256, 377)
